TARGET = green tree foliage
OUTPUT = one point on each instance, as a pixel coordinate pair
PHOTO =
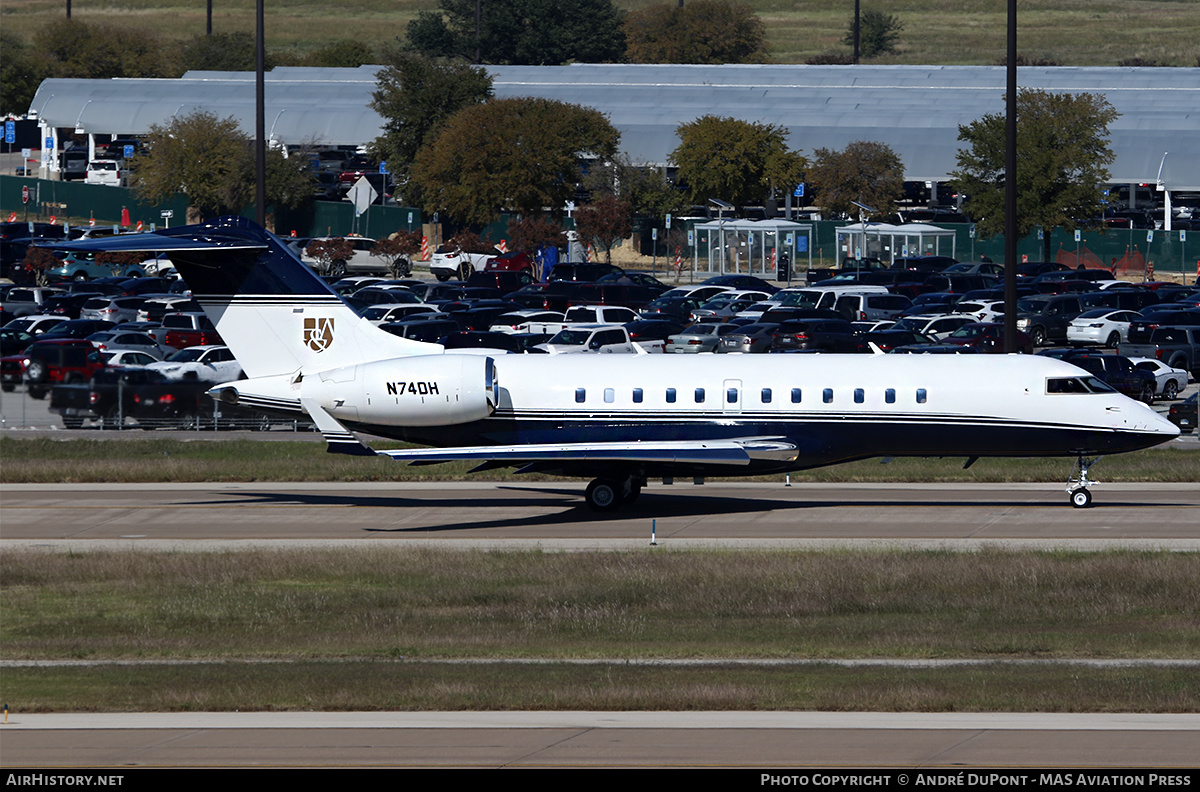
(21, 72)
(344, 54)
(1062, 160)
(737, 161)
(877, 33)
(414, 95)
(867, 172)
(605, 223)
(516, 154)
(701, 31)
(211, 160)
(219, 52)
(522, 32)
(77, 49)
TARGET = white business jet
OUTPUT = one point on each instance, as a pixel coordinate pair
(624, 419)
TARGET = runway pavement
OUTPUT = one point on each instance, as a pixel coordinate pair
(603, 739)
(553, 514)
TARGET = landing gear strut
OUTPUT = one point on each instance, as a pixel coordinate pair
(1079, 482)
(605, 494)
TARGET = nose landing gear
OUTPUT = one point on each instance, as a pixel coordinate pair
(1078, 483)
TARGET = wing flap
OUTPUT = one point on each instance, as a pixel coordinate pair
(736, 451)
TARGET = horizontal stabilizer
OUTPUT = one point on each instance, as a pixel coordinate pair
(738, 451)
(338, 440)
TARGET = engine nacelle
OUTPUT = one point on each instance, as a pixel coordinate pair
(423, 390)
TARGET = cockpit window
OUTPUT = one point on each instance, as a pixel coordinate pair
(1077, 385)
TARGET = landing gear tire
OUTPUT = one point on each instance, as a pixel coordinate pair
(1081, 498)
(634, 491)
(603, 495)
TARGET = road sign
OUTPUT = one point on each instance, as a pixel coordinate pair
(168, 213)
(10, 132)
(383, 166)
(128, 150)
(668, 221)
(799, 191)
(362, 195)
(25, 194)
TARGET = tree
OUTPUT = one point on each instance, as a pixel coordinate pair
(328, 253)
(21, 72)
(531, 233)
(212, 161)
(736, 161)
(219, 52)
(77, 49)
(606, 222)
(867, 172)
(1062, 160)
(877, 33)
(522, 32)
(702, 31)
(516, 154)
(397, 251)
(414, 95)
(645, 187)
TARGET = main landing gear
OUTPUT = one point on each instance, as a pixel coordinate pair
(606, 494)
(1079, 482)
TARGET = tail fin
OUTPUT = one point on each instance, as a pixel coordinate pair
(276, 315)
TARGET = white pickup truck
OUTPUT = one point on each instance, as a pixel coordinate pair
(594, 338)
(586, 314)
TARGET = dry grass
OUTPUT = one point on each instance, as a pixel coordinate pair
(423, 603)
(366, 630)
(1074, 32)
(382, 685)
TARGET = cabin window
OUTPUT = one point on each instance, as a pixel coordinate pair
(859, 396)
(766, 395)
(827, 395)
(921, 396)
(731, 396)
(610, 395)
(580, 395)
(637, 395)
(699, 395)
(889, 395)
(670, 395)
(795, 395)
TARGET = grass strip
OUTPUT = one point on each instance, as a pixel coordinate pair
(44, 460)
(379, 685)
(432, 603)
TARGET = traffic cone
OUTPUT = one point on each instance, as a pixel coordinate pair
(125, 222)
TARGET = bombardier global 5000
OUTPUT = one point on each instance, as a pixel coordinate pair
(621, 420)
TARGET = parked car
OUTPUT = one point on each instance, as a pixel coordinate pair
(106, 171)
(45, 364)
(988, 337)
(1119, 372)
(1101, 326)
(699, 338)
(604, 339)
(1169, 382)
(1183, 414)
(210, 364)
(751, 338)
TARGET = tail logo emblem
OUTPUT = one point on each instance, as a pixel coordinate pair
(318, 333)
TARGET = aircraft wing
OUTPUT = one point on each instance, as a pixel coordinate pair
(736, 451)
